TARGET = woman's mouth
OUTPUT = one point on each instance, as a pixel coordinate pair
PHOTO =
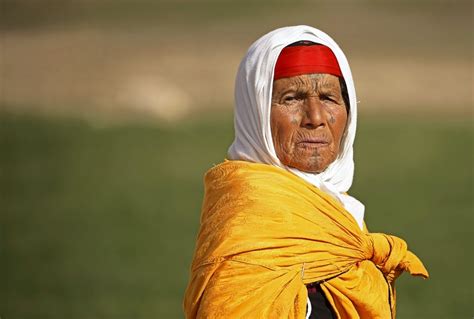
(313, 143)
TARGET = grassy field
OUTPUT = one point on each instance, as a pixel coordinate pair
(100, 222)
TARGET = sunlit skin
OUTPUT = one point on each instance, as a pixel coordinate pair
(308, 119)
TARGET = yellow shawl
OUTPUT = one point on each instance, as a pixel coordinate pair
(265, 233)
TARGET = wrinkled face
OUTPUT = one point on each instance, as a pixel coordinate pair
(308, 119)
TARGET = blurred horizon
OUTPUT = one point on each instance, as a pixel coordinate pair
(167, 60)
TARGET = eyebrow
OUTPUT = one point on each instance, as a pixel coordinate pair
(326, 86)
(332, 88)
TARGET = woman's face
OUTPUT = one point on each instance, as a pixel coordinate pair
(308, 119)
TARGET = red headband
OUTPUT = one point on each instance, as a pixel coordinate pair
(306, 59)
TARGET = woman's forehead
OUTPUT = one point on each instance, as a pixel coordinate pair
(320, 80)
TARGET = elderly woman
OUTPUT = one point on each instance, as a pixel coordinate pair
(280, 237)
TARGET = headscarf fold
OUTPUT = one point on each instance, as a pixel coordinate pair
(253, 91)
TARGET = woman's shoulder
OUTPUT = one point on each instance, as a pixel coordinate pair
(239, 188)
(242, 169)
(232, 172)
(239, 182)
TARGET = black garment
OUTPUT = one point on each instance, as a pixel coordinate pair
(320, 306)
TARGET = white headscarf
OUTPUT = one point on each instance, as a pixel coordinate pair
(253, 92)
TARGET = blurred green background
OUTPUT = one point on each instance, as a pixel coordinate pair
(112, 111)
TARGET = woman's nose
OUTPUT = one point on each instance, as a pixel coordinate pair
(314, 113)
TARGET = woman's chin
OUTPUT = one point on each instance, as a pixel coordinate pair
(311, 162)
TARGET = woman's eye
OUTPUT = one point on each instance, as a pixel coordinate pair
(291, 98)
(328, 98)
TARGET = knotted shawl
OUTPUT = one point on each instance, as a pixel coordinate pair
(265, 233)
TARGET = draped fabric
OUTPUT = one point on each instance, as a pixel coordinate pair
(265, 233)
(253, 91)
